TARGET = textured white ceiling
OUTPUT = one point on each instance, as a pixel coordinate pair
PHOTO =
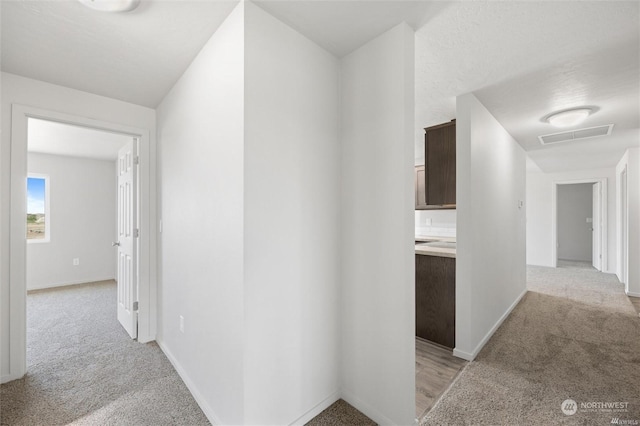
(342, 26)
(48, 137)
(526, 59)
(135, 56)
(522, 59)
(608, 80)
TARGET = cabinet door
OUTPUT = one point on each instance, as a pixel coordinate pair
(436, 299)
(440, 152)
(421, 196)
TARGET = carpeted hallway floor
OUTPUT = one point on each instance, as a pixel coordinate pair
(85, 370)
(575, 335)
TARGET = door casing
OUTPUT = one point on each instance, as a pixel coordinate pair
(596, 226)
(603, 217)
(147, 306)
(623, 230)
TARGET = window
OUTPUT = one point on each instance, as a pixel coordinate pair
(38, 217)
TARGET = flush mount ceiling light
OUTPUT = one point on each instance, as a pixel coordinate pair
(568, 117)
(111, 5)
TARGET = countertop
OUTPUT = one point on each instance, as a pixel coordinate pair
(435, 251)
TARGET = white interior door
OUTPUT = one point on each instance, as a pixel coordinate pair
(127, 238)
(597, 227)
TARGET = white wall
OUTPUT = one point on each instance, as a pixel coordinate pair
(539, 218)
(539, 214)
(490, 262)
(83, 222)
(200, 131)
(631, 160)
(377, 297)
(292, 178)
(436, 223)
(575, 207)
(24, 91)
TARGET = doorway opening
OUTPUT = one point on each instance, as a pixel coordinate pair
(78, 264)
(78, 179)
(580, 224)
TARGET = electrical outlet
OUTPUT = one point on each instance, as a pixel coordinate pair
(76, 261)
(181, 324)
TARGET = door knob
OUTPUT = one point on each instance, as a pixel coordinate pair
(115, 243)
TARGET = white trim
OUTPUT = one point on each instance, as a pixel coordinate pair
(47, 208)
(200, 400)
(367, 409)
(210, 413)
(317, 409)
(471, 356)
(604, 242)
(464, 355)
(70, 283)
(10, 377)
(632, 294)
(622, 222)
(18, 246)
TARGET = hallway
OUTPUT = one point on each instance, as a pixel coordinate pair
(83, 368)
(575, 335)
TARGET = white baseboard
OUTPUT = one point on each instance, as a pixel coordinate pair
(632, 294)
(471, 356)
(68, 283)
(320, 407)
(10, 377)
(462, 354)
(204, 406)
(366, 409)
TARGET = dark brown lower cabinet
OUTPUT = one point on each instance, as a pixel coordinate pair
(436, 299)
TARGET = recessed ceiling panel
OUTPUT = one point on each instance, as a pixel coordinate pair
(575, 135)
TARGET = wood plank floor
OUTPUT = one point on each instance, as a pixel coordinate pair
(436, 368)
(635, 301)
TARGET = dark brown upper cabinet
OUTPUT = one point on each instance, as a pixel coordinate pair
(440, 165)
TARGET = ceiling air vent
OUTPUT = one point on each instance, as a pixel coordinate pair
(574, 135)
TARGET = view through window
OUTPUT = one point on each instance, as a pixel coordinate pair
(37, 223)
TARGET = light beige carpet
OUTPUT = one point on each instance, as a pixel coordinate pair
(575, 264)
(575, 335)
(341, 413)
(85, 370)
